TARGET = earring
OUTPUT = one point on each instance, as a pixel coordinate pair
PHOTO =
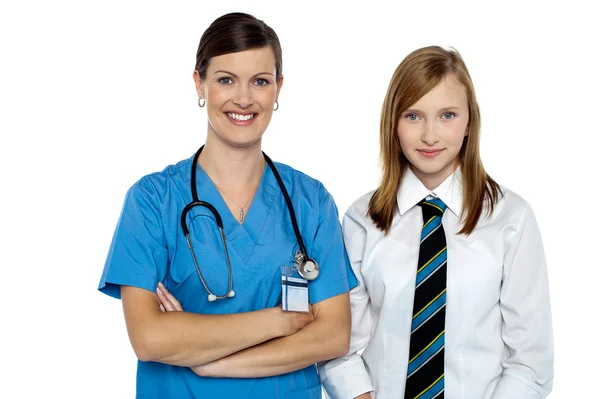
(201, 102)
(276, 106)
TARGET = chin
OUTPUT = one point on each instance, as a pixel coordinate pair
(431, 168)
(242, 141)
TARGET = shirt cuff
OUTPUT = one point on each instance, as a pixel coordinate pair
(346, 380)
(511, 387)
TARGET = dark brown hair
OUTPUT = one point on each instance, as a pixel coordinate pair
(236, 32)
(417, 74)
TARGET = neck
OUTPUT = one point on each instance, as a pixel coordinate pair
(233, 168)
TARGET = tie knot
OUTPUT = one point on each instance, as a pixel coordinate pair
(433, 207)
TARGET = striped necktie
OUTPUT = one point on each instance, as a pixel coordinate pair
(426, 355)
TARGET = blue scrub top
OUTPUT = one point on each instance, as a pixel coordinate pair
(148, 246)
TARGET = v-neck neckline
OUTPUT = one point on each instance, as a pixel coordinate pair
(242, 237)
(244, 212)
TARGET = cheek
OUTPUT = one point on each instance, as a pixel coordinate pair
(216, 96)
(214, 114)
(213, 104)
(407, 135)
(266, 98)
(265, 118)
(454, 134)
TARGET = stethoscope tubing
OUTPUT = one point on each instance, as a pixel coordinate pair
(197, 202)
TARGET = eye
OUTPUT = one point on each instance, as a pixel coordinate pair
(225, 81)
(411, 117)
(448, 115)
(261, 82)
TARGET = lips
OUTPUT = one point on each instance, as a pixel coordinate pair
(430, 153)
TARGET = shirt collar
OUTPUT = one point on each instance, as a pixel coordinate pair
(412, 191)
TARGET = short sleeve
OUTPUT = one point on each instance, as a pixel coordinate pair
(138, 253)
(336, 276)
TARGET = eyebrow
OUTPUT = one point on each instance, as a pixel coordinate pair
(451, 108)
(235, 76)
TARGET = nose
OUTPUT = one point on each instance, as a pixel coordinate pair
(243, 97)
(430, 134)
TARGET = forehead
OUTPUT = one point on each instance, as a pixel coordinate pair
(448, 93)
(247, 62)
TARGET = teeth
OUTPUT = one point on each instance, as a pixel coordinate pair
(239, 117)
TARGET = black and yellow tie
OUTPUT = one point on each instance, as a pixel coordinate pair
(426, 355)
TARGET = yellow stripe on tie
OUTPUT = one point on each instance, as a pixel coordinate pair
(425, 348)
(431, 260)
(421, 311)
(435, 206)
(429, 387)
(429, 221)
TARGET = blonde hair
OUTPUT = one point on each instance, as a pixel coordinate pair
(417, 74)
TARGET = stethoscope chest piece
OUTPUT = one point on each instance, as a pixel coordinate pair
(308, 268)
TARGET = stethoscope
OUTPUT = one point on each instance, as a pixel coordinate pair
(307, 267)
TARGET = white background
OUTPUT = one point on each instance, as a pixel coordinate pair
(93, 95)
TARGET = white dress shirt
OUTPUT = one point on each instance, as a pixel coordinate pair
(498, 339)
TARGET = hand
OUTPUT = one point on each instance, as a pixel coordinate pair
(168, 303)
(291, 322)
(366, 395)
(287, 322)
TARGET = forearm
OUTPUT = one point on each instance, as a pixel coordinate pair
(189, 339)
(186, 339)
(312, 344)
(326, 338)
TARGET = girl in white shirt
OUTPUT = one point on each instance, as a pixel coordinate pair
(493, 309)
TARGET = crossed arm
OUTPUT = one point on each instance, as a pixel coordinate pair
(224, 346)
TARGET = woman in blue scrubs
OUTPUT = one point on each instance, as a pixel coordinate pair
(243, 345)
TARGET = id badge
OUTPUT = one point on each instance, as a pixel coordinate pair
(294, 290)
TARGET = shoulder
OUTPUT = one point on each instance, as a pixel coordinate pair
(359, 210)
(302, 186)
(511, 210)
(158, 184)
(308, 193)
(296, 177)
(510, 202)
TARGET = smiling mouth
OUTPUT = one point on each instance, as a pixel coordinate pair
(240, 117)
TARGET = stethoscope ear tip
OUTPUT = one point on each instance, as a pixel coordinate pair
(213, 297)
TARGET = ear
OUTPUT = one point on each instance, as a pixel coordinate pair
(279, 84)
(467, 131)
(199, 84)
